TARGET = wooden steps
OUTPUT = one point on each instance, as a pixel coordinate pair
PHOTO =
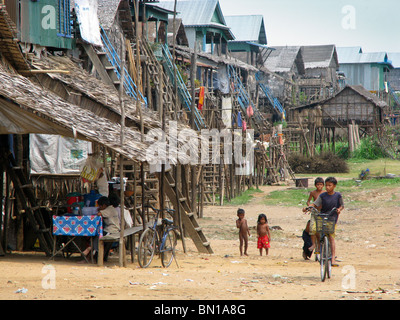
(189, 221)
(25, 193)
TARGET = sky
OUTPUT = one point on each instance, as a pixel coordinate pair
(373, 25)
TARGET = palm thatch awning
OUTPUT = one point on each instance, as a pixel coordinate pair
(81, 88)
(28, 108)
(9, 46)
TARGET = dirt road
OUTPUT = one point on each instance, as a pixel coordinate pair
(368, 243)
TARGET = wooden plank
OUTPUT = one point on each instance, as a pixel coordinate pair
(97, 64)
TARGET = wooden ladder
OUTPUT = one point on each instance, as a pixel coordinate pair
(189, 221)
(151, 187)
(25, 192)
(155, 69)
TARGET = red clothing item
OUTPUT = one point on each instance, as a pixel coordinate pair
(263, 242)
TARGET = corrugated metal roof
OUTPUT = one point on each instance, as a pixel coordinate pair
(247, 28)
(193, 12)
(199, 13)
(352, 55)
(348, 54)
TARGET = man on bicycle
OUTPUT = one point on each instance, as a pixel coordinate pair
(325, 203)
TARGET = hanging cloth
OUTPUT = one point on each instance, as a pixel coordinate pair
(239, 119)
(244, 125)
(201, 98)
(249, 111)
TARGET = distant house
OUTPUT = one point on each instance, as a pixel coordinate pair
(320, 79)
(370, 70)
(180, 34)
(286, 61)
(394, 74)
(154, 19)
(321, 62)
(250, 37)
(204, 24)
(321, 121)
(352, 103)
(281, 69)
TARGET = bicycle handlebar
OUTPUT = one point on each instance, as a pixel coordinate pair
(314, 210)
(172, 211)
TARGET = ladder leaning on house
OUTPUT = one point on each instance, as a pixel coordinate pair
(108, 65)
(244, 100)
(272, 100)
(156, 72)
(183, 92)
(25, 192)
(189, 221)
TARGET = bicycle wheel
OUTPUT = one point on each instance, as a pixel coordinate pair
(168, 248)
(323, 258)
(146, 247)
(328, 265)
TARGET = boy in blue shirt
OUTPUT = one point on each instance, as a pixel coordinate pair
(325, 203)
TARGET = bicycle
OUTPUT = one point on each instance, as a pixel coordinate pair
(160, 238)
(325, 225)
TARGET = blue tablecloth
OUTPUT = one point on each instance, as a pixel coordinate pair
(90, 226)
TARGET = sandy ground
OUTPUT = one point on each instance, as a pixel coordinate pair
(368, 243)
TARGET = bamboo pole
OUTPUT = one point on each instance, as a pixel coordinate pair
(122, 260)
(177, 168)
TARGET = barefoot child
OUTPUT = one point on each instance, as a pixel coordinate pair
(319, 185)
(244, 231)
(264, 236)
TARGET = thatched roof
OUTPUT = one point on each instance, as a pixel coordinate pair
(285, 59)
(28, 108)
(323, 56)
(358, 89)
(95, 89)
(9, 46)
(106, 11)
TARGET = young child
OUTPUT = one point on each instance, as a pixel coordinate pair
(264, 236)
(325, 203)
(319, 185)
(244, 231)
(307, 242)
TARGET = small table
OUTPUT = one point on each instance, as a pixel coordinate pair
(76, 226)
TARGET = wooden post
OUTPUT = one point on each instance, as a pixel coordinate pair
(193, 68)
(350, 138)
(2, 252)
(162, 118)
(178, 167)
(122, 260)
